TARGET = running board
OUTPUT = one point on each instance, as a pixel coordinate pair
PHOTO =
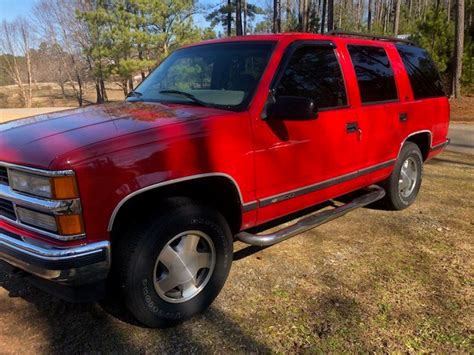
(374, 193)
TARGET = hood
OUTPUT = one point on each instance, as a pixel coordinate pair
(36, 141)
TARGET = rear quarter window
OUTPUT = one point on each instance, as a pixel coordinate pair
(422, 72)
(374, 74)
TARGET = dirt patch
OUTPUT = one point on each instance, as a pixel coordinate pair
(372, 281)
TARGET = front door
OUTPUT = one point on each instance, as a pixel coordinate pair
(302, 162)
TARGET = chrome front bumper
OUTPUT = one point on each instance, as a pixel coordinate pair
(71, 266)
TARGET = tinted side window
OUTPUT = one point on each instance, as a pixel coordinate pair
(374, 74)
(424, 77)
(314, 72)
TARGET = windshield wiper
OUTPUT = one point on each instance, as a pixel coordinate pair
(134, 93)
(187, 95)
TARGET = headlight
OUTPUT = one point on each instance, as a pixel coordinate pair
(60, 187)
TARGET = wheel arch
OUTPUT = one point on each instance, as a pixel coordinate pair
(218, 190)
(423, 139)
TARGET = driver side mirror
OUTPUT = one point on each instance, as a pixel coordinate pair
(293, 108)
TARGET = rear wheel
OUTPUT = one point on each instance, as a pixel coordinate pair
(404, 183)
(173, 266)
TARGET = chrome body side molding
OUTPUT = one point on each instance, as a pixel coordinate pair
(414, 134)
(323, 184)
(175, 181)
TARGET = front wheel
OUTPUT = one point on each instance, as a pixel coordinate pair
(404, 183)
(174, 265)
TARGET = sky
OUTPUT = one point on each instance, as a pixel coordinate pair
(10, 9)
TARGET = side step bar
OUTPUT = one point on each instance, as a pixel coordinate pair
(374, 193)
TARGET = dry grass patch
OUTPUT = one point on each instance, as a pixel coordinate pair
(462, 110)
(50, 95)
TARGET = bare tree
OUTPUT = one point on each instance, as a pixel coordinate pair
(459, 50)
(15, 43)
(57, 24)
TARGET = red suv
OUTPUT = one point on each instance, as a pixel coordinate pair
(224, 137)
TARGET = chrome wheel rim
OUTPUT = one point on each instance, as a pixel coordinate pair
(408, 177)
(184, 266)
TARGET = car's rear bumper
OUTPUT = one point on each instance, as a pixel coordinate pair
(72, 265)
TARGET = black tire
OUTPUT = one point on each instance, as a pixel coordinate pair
(138, 249)
(394, 199)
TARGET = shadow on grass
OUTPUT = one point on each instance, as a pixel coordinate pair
(93, 327)
(436, 161)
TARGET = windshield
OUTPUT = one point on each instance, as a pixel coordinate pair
(223, 75)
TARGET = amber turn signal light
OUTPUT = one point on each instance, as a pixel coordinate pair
(64, 187)
(70, 224)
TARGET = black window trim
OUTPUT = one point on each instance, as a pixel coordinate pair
(288, 54)
(373, 103)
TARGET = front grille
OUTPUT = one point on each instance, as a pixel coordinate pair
(3, 175)
(6, 209)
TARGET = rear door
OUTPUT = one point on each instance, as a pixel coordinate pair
(380, 114)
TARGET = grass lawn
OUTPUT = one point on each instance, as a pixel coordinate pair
(372, 281)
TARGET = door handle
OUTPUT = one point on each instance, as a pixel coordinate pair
(403, 117)
(352, 127)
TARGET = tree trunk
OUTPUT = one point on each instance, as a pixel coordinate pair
(459, 43)
(279, 16)
(300, 15)
(61, 85)
(303, 15)
(342, 8)
(448, 11)
(387, 16)
(100, 99)
(275, 16)
(30, 79)
(80, 95)
(330, 15)
(229, 18)
(323, 16)
(103, 90)
(360, 6)
(396, 19)
(238, 17)
(245, 16)
(369, 16)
